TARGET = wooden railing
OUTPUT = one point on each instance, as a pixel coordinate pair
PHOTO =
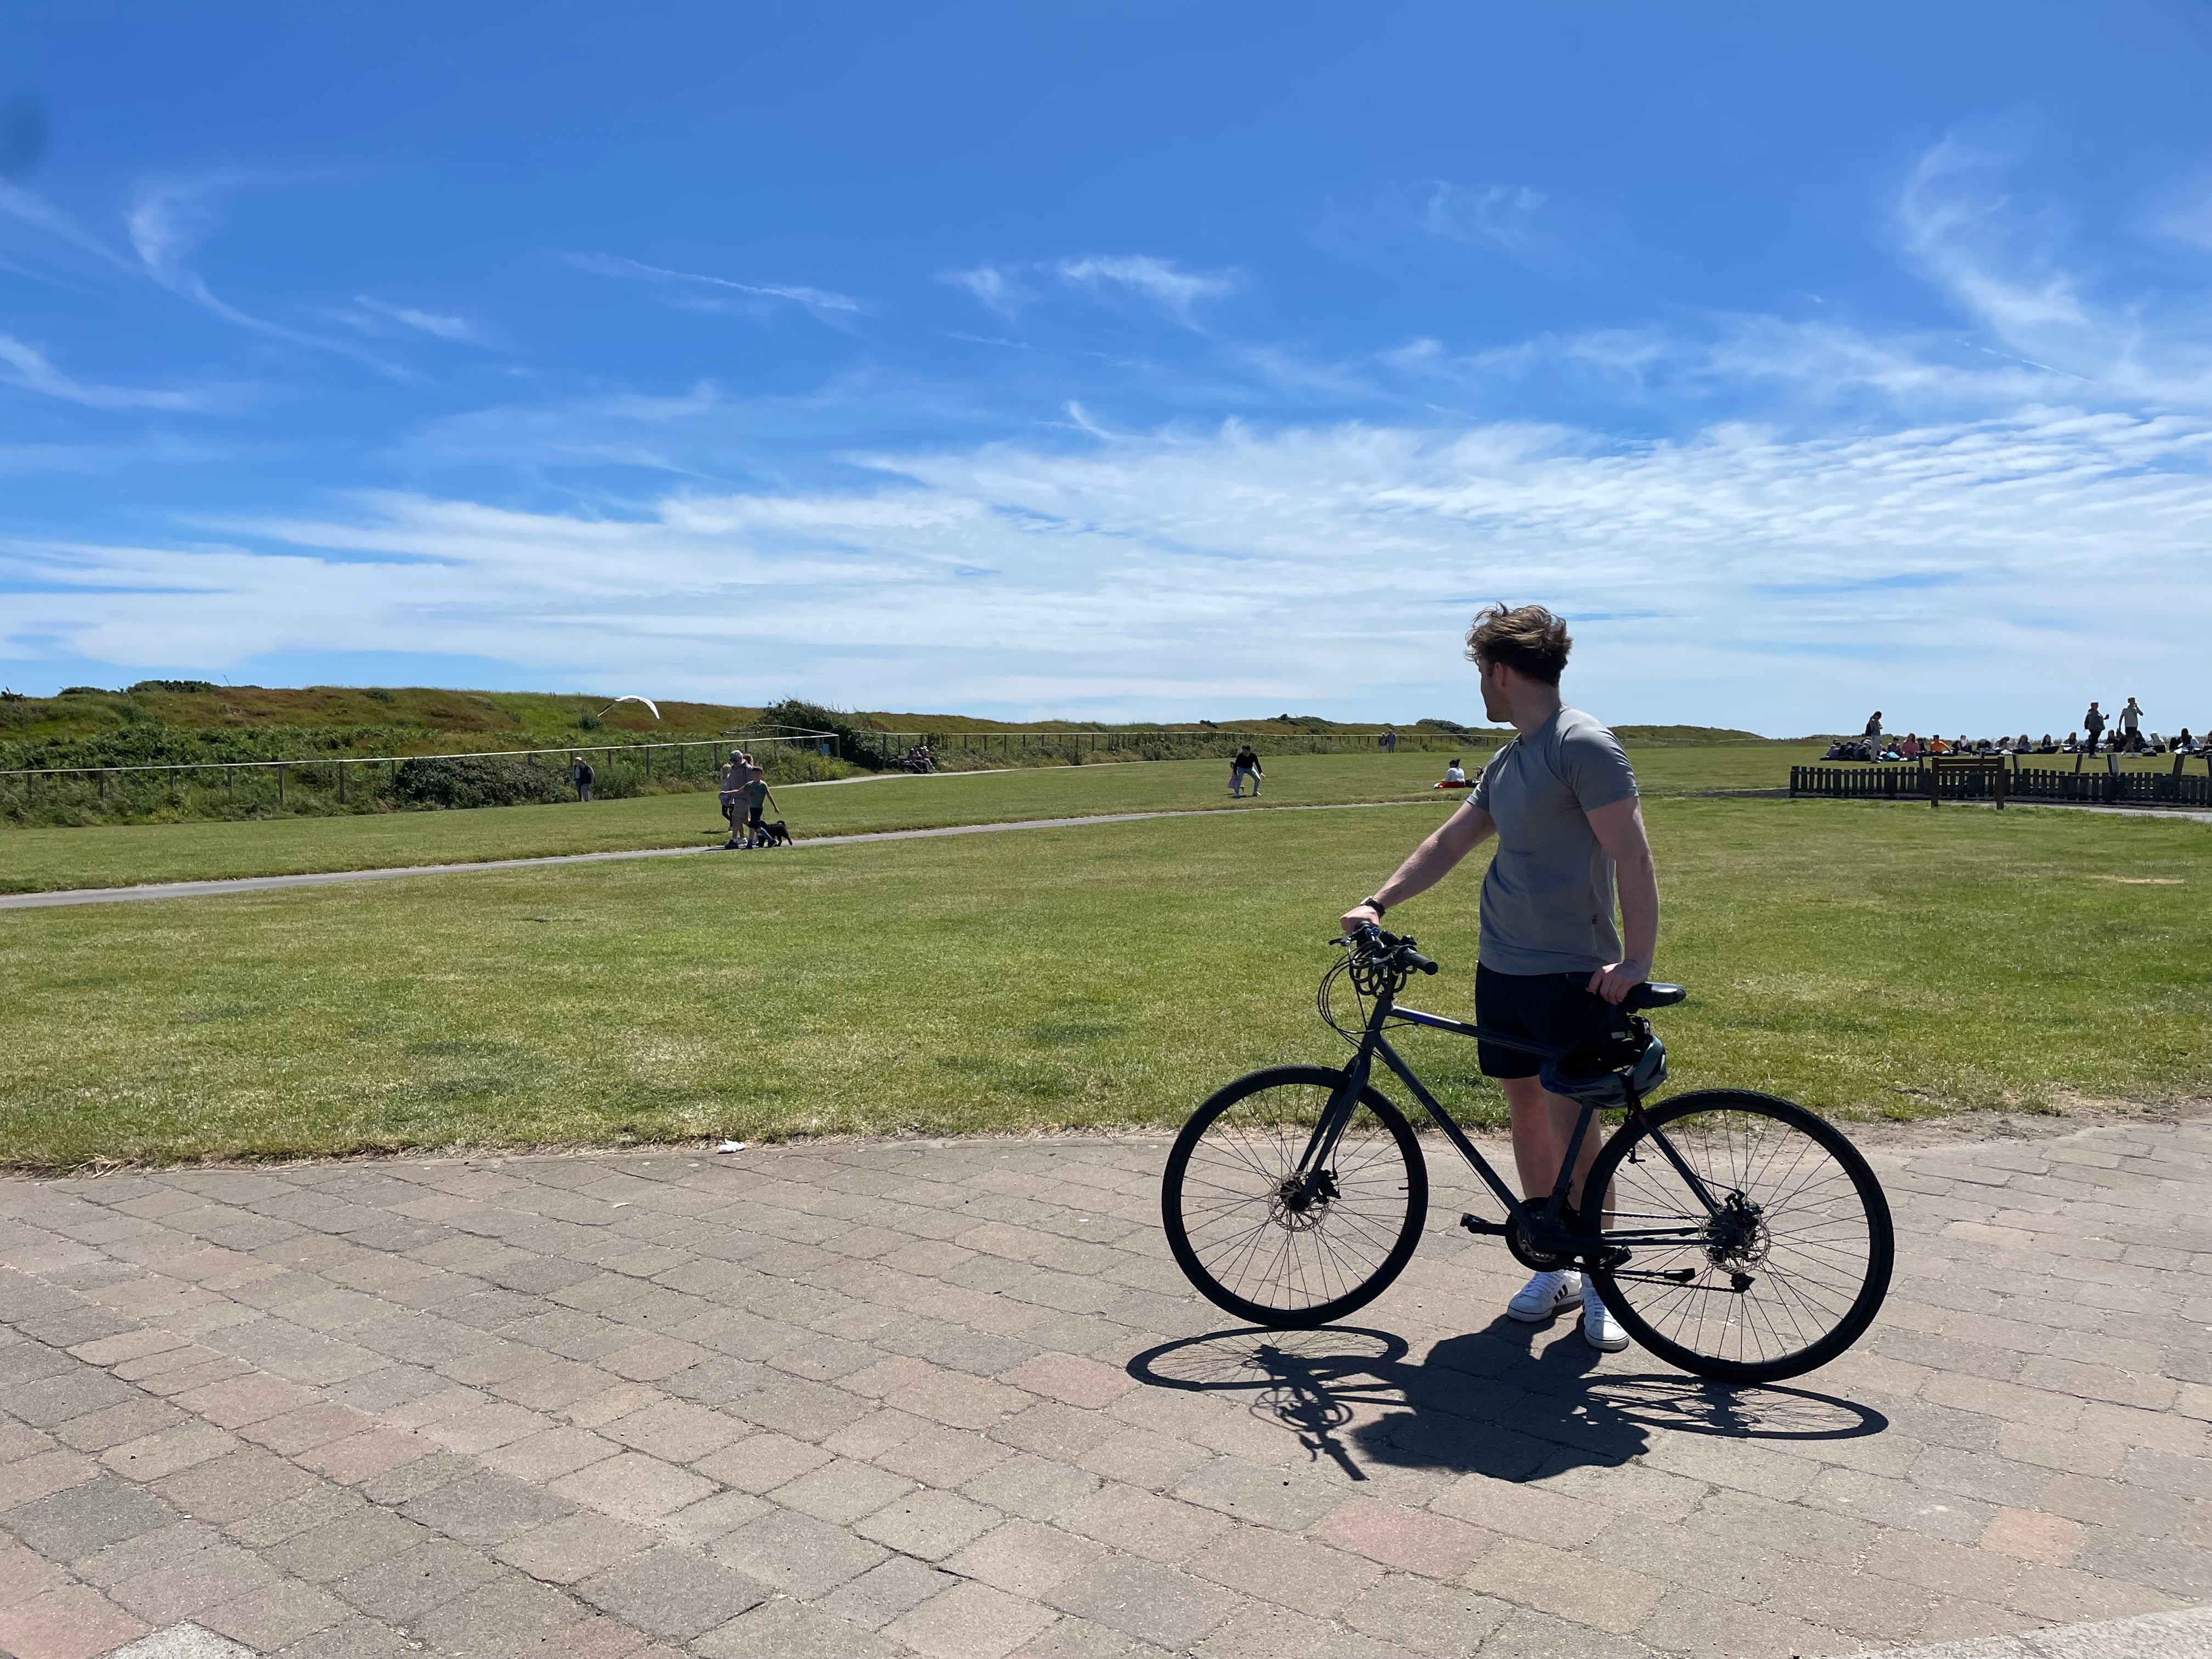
(1913, 781)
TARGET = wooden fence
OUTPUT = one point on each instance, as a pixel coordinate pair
(1913, 782)
(1016, 748)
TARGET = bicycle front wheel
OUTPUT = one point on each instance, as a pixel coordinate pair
(1785, 1271)
(1262, 1244)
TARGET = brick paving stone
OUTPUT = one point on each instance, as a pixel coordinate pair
(762, 1463)
(1285, 1571)
(1413, 1540)
(2033, 1416)
(785, 1630)
(842, 1490)
(927, 1523)
(1023, 1558)
(711, 1517)
(633, 1486)
(81, 1520)
(1292, 1502)
(970, 1621)
(574, 1546)
(886, 1591)
(169, 1452)
(1145, 1598)
(1558, 1582)
(672, 1591)
(1424, 1615)
(485, 1509)
(800, 1556)
(71, 1621)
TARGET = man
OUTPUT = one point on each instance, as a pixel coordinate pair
(1561, 798)
(2093, 723)
(581, 774)
(2131, 725)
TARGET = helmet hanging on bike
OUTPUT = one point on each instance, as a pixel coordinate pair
(1607, 1071)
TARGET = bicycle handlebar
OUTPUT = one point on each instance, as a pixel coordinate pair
(1372, 941)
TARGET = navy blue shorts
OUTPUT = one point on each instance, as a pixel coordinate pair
(1553, 1009)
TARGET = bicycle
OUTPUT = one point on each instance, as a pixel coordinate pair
(1759, 1244)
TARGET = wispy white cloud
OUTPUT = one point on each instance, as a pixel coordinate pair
(27, 368)
(995, 286)
(1330, 565)
(694, 291)
(1160, 283)
(2006, 261)
(1502, 216)
(374, 314)
(169, 220)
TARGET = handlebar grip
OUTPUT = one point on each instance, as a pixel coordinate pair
(1415, 959)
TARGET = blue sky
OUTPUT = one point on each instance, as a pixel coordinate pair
(1131, 361)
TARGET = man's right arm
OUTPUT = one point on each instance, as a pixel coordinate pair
(1430, 862)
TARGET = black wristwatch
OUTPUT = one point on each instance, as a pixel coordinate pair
(1377, 905)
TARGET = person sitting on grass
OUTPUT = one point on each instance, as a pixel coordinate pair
(2183, 743)
(1937, 746)
(1910, 748)
(1455, 776)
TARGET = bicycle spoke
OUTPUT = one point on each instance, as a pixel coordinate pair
(1783, 1263)
(1267, 1238)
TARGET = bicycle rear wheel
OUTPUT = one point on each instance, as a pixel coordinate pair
(1787, 1272)
(1258, 1245)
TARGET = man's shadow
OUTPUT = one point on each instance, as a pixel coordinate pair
(1492, 1402)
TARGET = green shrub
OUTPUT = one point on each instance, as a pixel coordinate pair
(479, 781)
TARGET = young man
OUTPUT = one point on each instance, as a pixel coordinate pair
(1561, 798)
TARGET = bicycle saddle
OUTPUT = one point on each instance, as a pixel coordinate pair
(1652, 993)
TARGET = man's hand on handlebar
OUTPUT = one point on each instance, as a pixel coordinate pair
(1361, 914)
(1615, 981)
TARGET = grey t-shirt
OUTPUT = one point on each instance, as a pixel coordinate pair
(1547, 902)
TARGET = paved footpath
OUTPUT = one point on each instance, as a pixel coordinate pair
(952, 1400)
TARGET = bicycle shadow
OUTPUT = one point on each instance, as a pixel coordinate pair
(1491, 1402)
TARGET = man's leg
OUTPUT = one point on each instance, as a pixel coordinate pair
(1543, 1123)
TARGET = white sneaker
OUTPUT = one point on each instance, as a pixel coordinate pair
(1545, 1294)
(1600, 1328)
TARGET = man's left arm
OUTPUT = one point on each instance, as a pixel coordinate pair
(1619, 827)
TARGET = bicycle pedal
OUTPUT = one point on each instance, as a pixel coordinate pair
(1475, 1224)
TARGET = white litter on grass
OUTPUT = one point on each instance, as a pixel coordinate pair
(731, 1146)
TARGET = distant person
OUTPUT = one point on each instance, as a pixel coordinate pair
(750, 799)
(2093, 723)
(1874, 734)
(1244, 764)
(1910, 748)
(1388, 743)
(2131, 724)
(1455, 773)
(581, 774)
(2183, 743)
(731, 778)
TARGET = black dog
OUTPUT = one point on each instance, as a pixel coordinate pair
(773, 834)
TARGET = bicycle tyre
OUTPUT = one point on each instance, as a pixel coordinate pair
(1378, 1228)
(1839, 1261)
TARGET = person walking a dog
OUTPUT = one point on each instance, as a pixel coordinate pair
(751, 797)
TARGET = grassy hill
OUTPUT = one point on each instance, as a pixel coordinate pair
(194, 724)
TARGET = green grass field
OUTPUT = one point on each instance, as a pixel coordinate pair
(1867, 958)
(32, 861)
